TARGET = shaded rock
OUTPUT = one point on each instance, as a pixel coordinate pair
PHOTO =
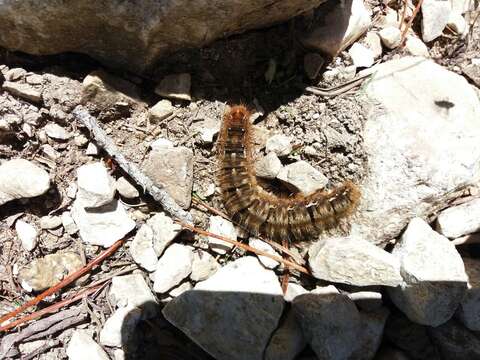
(172, 169)
(174, 266)
(457, 23)
(81, 346)
(279, 144)
(20, 178)
(96, 187)
(242, 293)
(473, 73)
(435, 14)
(204, 265)
(27, 234)
(152, 238)
(409, 171)
(269, 166)
(389, 353)
(433, 273)
(220, 226)
(330, 322)
(416, 47)
(469, 310)
(459, 220)
(56, 132)
(373, 42)
(50, 222)
(161, 110)
(262, 245)
(455, 342)
(367, 300)
(126, 189)
(24, 91)
(302, 177)
(180, 289)
(120, 326)
(390, 36)
(312, 63)
(335, 29)
(45, 272)
(15, 74)
(361, 55)
(370, 336)
(175, 86)
(103, 225)
(354, 261)
(287, 341)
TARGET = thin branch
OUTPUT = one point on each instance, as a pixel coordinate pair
(410, 22)
(159, 194)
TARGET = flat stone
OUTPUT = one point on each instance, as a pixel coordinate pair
(312, 63)
(50, 152)
(55, 131)
(222, 227)
(175, 86)
(370, 337)
(50, 222)
(330, 322)
(81, 346)
(24, 91)
(459, 220)
(367, 300)
(473, 73)
(390, 36)
(334, 30)
(133, 291)
(237, 293)
(361, 55)
(173, 169)
(207, 129)
(27, 234)
(435, 15)
(92, 149)
(287, 341)
(204, 265)
(409, 171)
(469, 310)
(174, 266)
(462, 6)
(373, 42)
(34, 79)
(152, 239)
(433, 272)
(262, 245)
(161, 144)
(180, 289)
(455, 342)
(102, 226)
(126, 189)
(42, 273)
(68, 223)
(302, 177)
(120, 326)
(269, 166)
(160, 111)
(293, 290)
(15, 74)
(279, 144)
(457, 23)
(416, 47)
(96, 187)
(354, 261)
(20, 179)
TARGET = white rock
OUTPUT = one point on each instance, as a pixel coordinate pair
(390, 19)
(459, 220)
(279, 144)
(133, 291)
(102, 226)
(433, 273)
(126, 189)
(174, 266)
(20, 178)
(50, 152)
(354, 261)
(82, 346)
(175, 86)
(416, 47)
(390, 36)
(204, 265)
(180, 289)
(24, 91)
(462, 6)
(237, 293)
(294, 290)
(269, 166)
(435, 14)
(457, 23)
(161, 144)
(219, 226)
(80, 140)
(262, 245)
(207, 128)
(469, 310)
(92, 149)
(303, 177)
(96, 187)
(15, 74)
(27, 234)
(161, 110)
(56, 132)
(120, 326)
(361, 55)
(50, 222)
(72, 190)
(68, 223)
(373, 42)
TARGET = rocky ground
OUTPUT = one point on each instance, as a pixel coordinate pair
(400, 280)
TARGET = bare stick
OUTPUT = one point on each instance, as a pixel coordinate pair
(410, 22)
(103, 140)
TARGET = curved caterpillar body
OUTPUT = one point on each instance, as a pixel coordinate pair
(260, 212)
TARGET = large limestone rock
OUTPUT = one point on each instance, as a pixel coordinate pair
(133, 34)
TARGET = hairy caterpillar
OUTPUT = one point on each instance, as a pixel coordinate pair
(277, 218)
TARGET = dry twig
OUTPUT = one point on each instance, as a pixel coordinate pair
(410, 22)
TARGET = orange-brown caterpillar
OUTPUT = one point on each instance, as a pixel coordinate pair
(277, 218)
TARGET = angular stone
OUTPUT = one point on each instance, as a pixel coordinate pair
(126, 189)
(435, 14)
(207, 128)
(373, 42)
(416, 47)
(222, 227)
(174, 266)
(24, 91)
(459, 220)
(472, 71)
(262, 245)
(204, 265)
(367, 300)
(469, 310)
(173, 169)
(433, 273)
(302, 177)
(50, 222)
(361, 55)
(20, 178)
(56, 132)
(390, 36)
(96, 187)
(269, 166)
(82, 346)
(457, 23)
(279, 144)
(354, 261)
(161, 110)
(175, 86)
(237, 293)
(120, 326)
(15, 74)
(293, 290)
(27, 234)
